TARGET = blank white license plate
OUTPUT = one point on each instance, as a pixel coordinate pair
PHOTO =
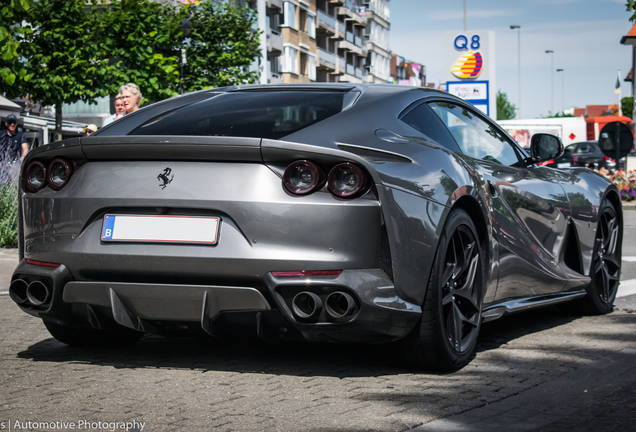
(564, 165)
(161, 229)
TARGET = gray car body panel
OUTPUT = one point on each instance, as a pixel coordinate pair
(526, 215)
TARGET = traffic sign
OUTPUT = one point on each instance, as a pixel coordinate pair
(616, 140)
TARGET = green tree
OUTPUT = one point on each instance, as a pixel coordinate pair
(64, 59)
(142, 37)
(627, 106)
(631, 7)
(222, 46)
(11, 32)
(505, 110)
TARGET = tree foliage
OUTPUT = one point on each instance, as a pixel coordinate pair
(631, 7)
(505, 110)
(11, 15)
(627, 106)
(142, 37)
(222, 46)
(64, 58)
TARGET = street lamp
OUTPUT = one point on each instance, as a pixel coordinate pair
(518, 27)
(464, 15)
(185, 28)
(552, 80)
(562, 92)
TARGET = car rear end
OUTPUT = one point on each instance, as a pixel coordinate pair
(185, 223)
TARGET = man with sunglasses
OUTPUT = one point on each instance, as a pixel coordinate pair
(13, 144)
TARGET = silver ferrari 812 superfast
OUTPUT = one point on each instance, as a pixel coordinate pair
(324, 212)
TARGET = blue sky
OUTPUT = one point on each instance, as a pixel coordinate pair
(584, 34)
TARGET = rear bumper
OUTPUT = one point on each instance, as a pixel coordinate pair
(379, 315)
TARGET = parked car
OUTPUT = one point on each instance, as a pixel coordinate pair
(588, 154)
(323, 212)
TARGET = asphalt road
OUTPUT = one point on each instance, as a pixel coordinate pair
(537, 371)
(627, 291)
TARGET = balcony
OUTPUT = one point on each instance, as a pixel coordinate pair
(382, 19)
(275, 77)
(361, 74)
(326, 21)
(350, 14)
(349, 45)
(358, 42)
(274, 41)
(326, 59)
(350, 70)
(275, 4)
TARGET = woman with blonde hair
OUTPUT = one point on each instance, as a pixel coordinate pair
(131, 96)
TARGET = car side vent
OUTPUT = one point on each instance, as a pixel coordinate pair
(374, 155)
(386, 263)
(571, 251)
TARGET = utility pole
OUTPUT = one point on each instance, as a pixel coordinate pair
(562, 91)
(464, 16)
(518, 27)
(551, 52)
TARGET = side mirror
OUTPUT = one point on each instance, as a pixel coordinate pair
(545, 147)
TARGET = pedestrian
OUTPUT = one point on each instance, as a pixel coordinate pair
(131, 95)
(120, 111)
(13, 144)
(90, 129)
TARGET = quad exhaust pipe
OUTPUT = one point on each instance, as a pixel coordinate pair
(36, 293)
(17, 291)
(340, 305)
(306, 305)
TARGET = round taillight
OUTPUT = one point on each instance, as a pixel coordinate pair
(346, 180)
(36, 176)
(59, 173)
(303, 177)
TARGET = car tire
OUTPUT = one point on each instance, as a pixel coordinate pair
(605, 270)
(92, 337)
(446, 336)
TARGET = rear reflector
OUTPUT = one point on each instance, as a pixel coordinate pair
(42, 263)
(305, 273)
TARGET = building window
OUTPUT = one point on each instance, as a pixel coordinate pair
(289, 15)
(291, 60)
(311, 26)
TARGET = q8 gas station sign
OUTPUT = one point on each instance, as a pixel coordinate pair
(470, 69)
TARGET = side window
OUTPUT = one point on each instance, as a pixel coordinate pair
(424, 120)
(475, 136)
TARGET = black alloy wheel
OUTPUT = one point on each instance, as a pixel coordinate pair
(605, 269)
(447, 334)
(606, 261)
(461, 300)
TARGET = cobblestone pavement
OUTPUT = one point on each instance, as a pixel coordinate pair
(247, 385)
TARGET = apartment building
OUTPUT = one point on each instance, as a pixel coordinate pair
(377, 41)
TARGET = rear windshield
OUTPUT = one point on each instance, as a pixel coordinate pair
(262, 114)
